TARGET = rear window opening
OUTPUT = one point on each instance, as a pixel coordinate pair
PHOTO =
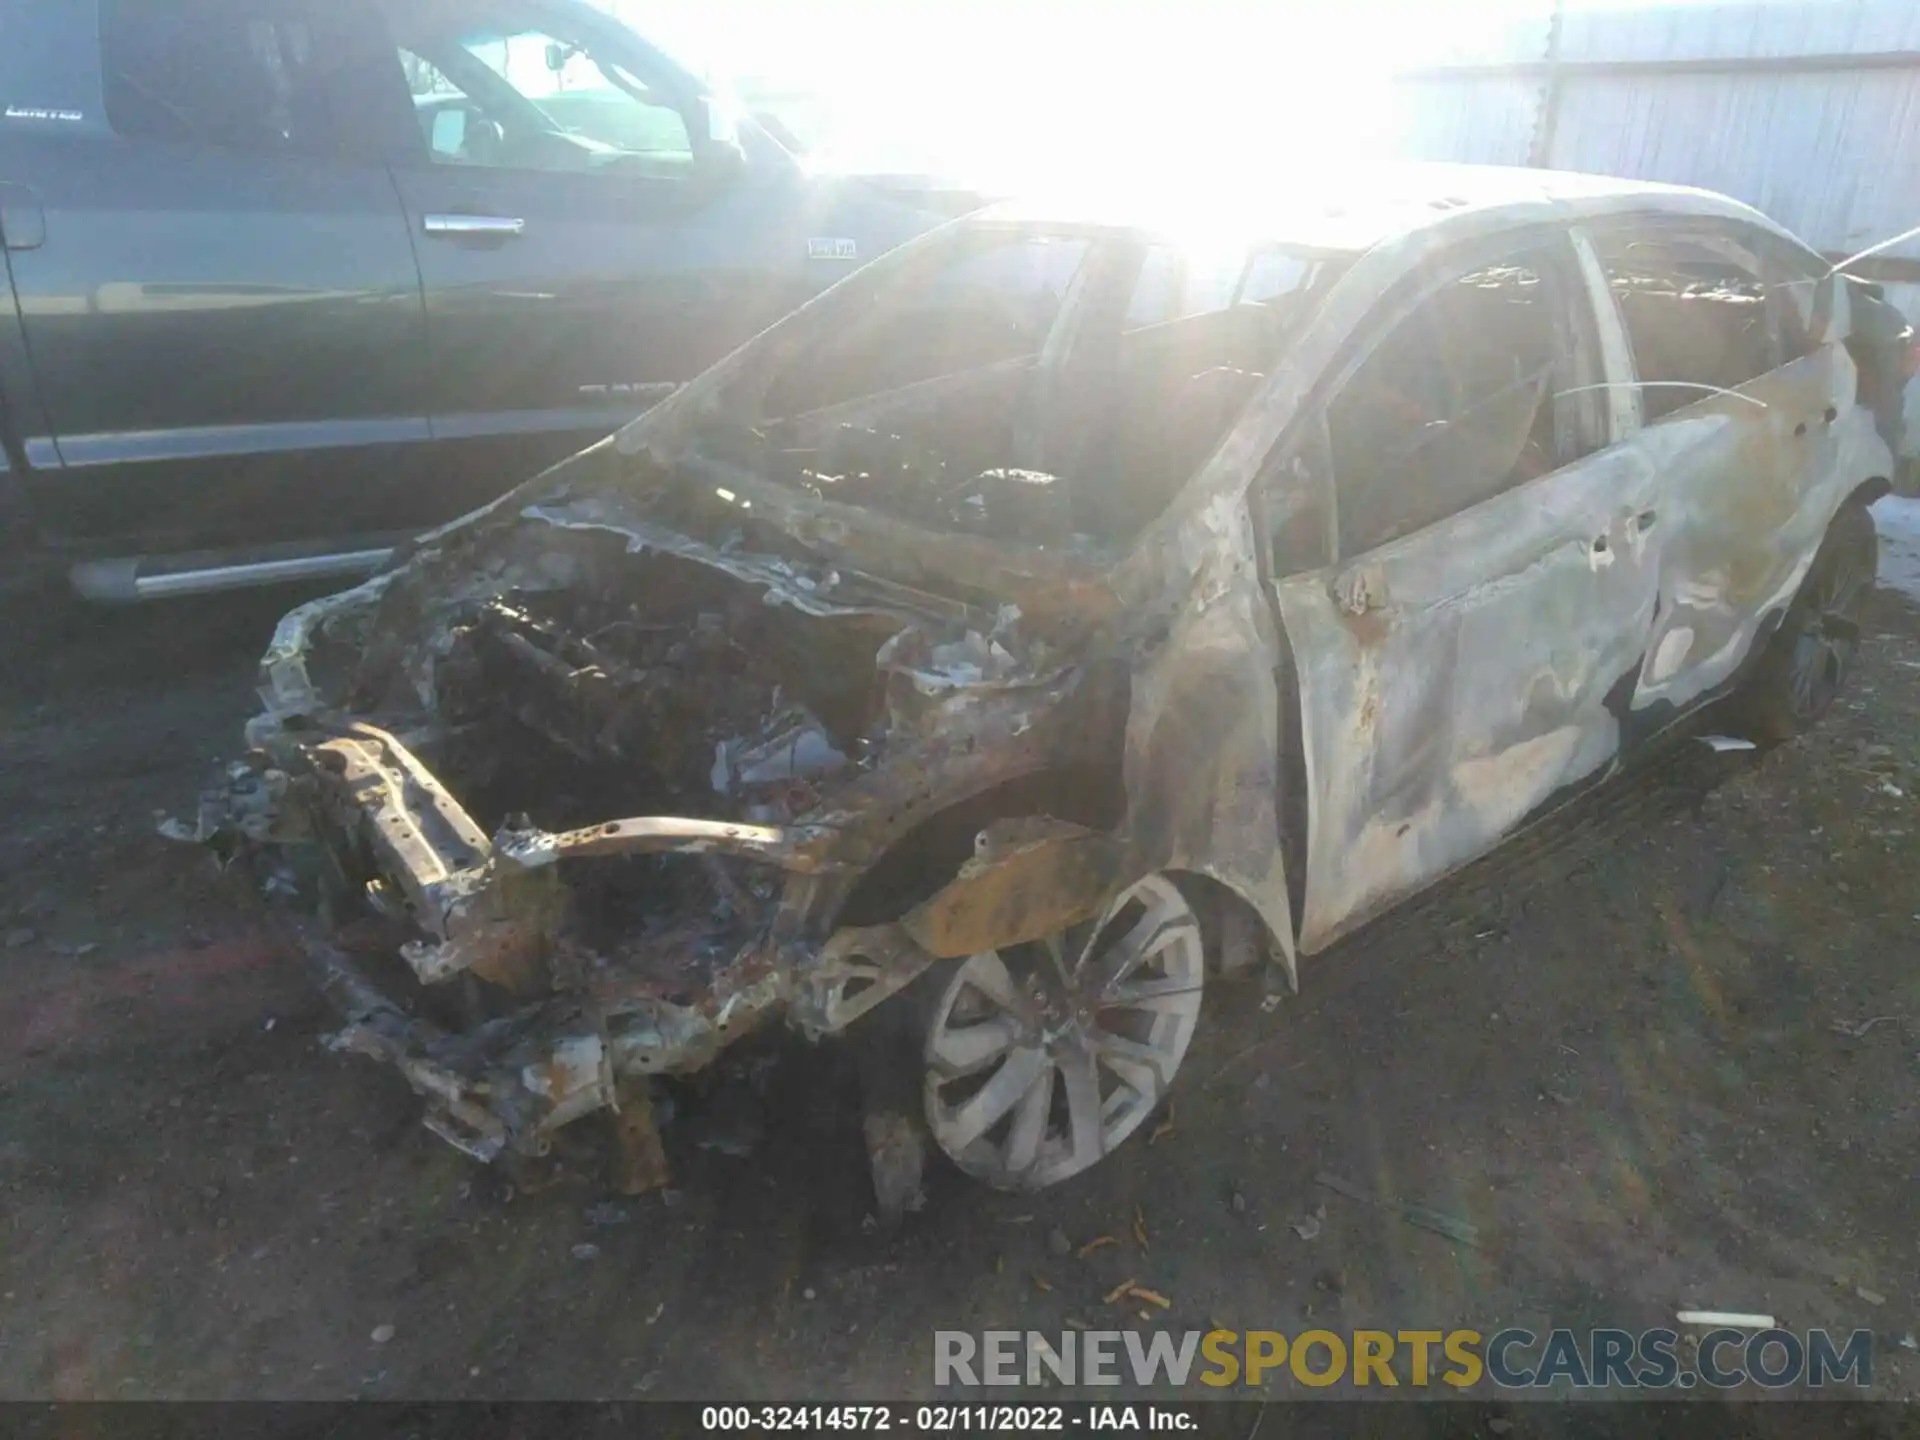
(1699, 316)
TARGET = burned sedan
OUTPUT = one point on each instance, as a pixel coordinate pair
(1054, 618)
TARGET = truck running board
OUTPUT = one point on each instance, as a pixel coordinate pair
(163, 577)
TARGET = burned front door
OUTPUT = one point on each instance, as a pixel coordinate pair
(1461, 663)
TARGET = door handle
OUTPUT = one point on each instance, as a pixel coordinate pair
(1360, 590)
(494, 227)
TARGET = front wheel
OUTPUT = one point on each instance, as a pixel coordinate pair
(1812, 653)
(1043, 1058)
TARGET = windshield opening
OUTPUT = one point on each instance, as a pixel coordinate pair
(1050, 389)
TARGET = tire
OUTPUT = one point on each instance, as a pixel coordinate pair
(1812, 653)
(1041, 1060)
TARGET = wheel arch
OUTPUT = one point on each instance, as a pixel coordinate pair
(1240, 935)
(1873, 488)
(924, 857)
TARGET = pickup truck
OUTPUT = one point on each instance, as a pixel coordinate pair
(289, 280)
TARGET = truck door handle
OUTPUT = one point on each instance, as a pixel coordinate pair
(494, 227)
(23, 224)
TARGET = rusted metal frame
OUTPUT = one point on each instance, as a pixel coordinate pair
(513, 1082)
(1028, 878)
(854, 972)
(1031, 877)
(883, 809)
(796, 848)
(420, 835)
(374, 1026)
(493, 907)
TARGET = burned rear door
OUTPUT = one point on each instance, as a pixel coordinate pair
(1459, 665)
(1745, 407)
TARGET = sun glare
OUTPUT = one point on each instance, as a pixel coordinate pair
(1026, 96)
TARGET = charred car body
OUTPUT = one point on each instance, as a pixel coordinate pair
(1047, 619)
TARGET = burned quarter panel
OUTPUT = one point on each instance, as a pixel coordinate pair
(1204, 734)
(1749, 486)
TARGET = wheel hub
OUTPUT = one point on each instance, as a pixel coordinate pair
(1041, 1059)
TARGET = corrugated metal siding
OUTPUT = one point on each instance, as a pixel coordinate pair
(1488, 122)
(1833, 155)
(1820, 153)
(1693, 32)
(1684, 32)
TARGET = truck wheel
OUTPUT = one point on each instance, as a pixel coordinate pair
(1042, 1058)
(1811, 654)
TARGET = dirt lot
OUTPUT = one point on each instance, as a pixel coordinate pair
(1684, 1072)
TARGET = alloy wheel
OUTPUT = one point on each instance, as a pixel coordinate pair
(1043, 1058)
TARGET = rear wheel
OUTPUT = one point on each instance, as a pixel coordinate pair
(1042, 1058)
(1812, 653)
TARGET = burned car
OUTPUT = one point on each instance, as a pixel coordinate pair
(1059, 615)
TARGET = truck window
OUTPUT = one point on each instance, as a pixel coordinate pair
(233, 74)
(491, 91)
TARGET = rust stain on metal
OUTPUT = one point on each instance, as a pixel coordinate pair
(1028, 878)
(640, 1160)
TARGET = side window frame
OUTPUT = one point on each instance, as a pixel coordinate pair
(1757, 252)
(118, 89)
(606, 44)
(346, 39)
(1581, 420)
(1787, 268)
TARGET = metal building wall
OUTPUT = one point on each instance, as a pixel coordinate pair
(1806, 109)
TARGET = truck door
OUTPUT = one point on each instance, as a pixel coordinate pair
(586, 238)
(221, 306)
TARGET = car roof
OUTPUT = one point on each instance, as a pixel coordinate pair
(1361, 207)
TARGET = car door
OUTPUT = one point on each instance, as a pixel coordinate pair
(589, 234)
(1460, 665)
(1744, 401)
(220, 298)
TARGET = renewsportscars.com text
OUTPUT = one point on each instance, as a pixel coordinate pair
(1511, 1359)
